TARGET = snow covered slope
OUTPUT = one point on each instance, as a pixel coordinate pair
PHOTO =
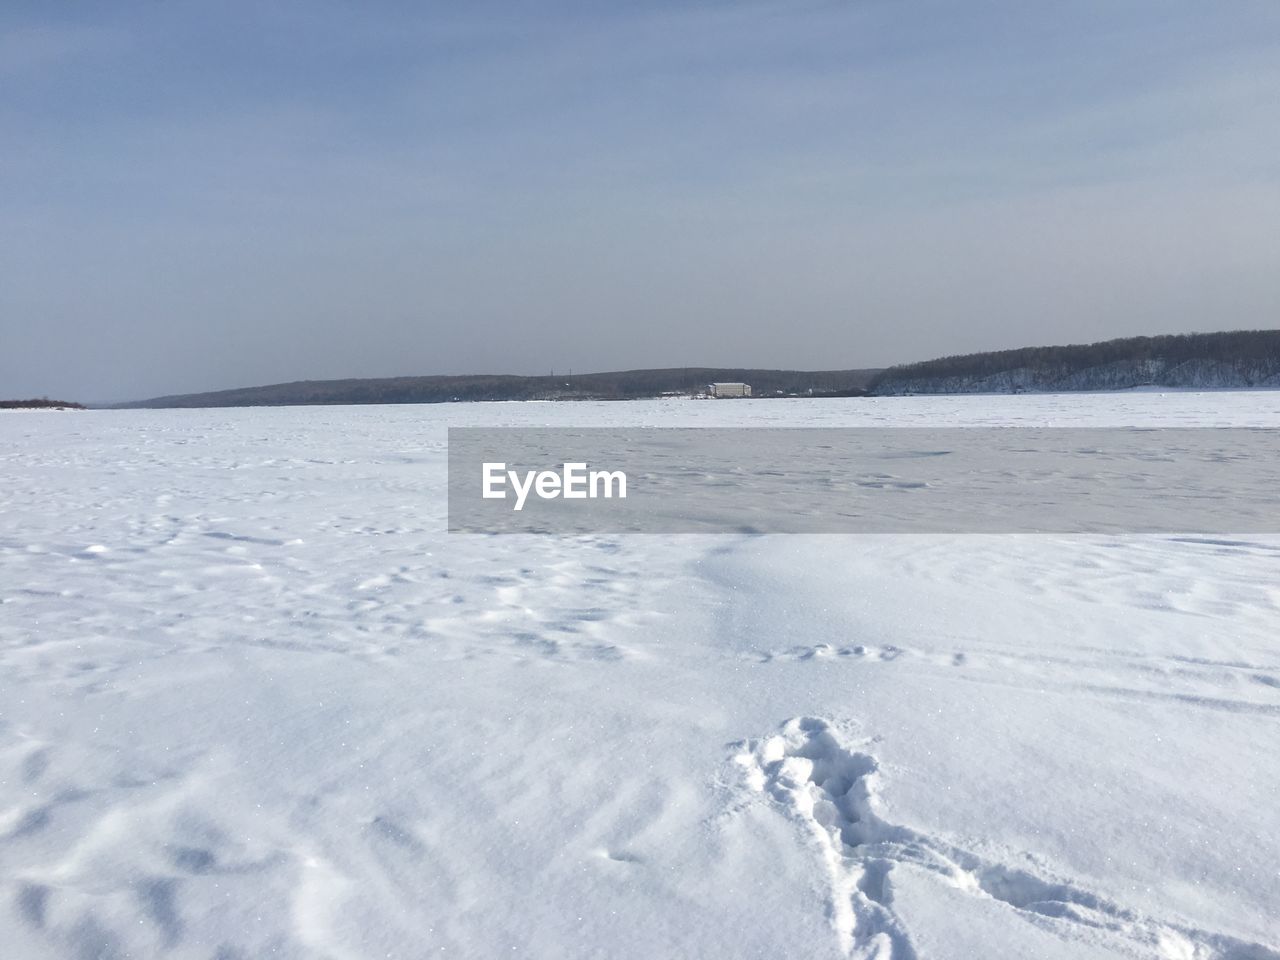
(254, 702)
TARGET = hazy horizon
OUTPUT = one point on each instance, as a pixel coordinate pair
(203, 199)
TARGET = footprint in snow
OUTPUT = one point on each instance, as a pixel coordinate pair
(810, 771)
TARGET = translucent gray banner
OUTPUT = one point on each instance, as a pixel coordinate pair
(887, 480)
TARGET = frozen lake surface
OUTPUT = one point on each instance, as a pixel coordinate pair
(254, 702)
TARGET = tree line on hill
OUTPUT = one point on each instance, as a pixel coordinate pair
(43, 403)
(620, 385)
(1240, 358)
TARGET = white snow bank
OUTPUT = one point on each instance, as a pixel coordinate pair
(255, 703)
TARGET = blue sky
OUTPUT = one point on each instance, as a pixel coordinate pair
(212, 195)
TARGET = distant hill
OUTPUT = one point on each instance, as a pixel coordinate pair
(622, 385)
(44, 403)
(1237, 359)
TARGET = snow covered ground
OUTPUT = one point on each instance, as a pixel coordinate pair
(254, 702)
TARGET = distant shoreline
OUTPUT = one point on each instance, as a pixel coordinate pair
(616, 385)
(42, 404)
(1142, 389)
(1231, 360)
